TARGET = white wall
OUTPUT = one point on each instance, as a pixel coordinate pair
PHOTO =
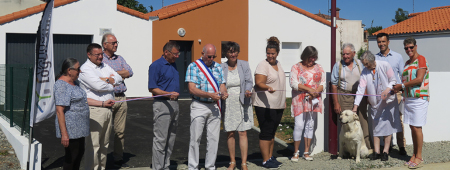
(87, 17)
(349, 31)
(288, 26)
(434, 48)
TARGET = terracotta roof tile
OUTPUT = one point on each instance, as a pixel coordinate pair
(436, 19)
(179, 8)
(301, 11)
(30, 11)
(41, 7)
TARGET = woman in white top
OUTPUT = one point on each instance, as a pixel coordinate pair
(378, 78)
(270, 104)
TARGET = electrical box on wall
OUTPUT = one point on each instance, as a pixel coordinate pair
(103, 31)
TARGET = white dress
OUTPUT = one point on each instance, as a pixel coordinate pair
(238, 117)
(385, 113)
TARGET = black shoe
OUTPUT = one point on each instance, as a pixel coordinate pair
(274, 160)
(121, 164)
(270, 165)
(402, 151)
(374, 156)
(384, 157)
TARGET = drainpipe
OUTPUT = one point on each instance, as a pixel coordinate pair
(332, 125)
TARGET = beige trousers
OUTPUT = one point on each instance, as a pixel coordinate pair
(401, 141)
(120, 117)
(98, 141)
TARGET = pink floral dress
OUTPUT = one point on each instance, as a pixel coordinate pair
(311, 78)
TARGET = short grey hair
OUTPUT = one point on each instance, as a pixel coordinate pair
(348, 45)
(368, 56)
(106, 36)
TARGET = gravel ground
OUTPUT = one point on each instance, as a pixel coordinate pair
(434, 152)
(8, 159)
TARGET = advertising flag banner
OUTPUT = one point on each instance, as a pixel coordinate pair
(42, 101)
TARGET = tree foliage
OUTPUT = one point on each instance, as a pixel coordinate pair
(133, 4)
(373, 29)
(400, 15)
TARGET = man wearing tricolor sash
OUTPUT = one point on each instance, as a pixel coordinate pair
(207, 86)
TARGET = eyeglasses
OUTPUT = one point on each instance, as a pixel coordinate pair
(114, 43)
(96, 55)
(233, 52)
(175, 54)
(211, 56)
(76, 69)
(410, 47)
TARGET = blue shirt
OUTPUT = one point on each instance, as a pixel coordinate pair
(194, 75)
(396, 62)
(76, 110)
(164, 76)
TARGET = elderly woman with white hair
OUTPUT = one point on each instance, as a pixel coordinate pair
(378, 78)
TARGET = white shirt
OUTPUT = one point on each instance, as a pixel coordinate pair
(96, 88)
(383, 78)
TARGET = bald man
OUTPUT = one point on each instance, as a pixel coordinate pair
(205, 106)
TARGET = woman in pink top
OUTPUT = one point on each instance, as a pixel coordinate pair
(270, 104)
(306, 80)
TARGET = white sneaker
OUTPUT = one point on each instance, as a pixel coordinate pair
(309, 158)
(295, 157)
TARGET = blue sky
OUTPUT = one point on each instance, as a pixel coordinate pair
(380, 11)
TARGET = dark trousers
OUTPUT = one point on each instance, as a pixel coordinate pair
(74, 153)
(268, 120)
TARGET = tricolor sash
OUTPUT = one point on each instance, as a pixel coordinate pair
(209, 76)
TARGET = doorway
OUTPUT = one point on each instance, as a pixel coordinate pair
(182, 63)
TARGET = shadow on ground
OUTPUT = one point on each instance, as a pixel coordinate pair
(138, 140)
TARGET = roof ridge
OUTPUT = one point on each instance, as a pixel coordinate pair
(302, 11)
(441, 7)
(30, 11)
(132, 12)
(179, 8)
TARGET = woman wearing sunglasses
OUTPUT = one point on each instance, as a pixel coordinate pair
(416, 94)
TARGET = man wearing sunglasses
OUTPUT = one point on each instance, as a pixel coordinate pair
(118, 63)
(397, 64)
(204, 76)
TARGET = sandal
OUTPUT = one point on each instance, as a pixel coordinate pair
(244, 165)
(414, 165)
(296, 156)
(409, 162)
(232, 163)
(309, 158)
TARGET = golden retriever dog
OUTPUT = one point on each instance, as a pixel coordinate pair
(351, 138)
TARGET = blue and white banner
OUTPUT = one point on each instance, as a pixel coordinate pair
(42, 102)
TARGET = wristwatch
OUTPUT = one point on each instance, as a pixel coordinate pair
(107, 80)
(403, 86)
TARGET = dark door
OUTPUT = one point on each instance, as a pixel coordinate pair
(20, 48)
(182, 63)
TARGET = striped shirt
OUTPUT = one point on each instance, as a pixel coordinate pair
(194, 75)
(117, 63)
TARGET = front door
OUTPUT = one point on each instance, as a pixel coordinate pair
(182, 63)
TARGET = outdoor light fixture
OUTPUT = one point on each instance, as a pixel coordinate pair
(181, 32)
(199, 40)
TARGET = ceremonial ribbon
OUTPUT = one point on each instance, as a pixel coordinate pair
(250, 92)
